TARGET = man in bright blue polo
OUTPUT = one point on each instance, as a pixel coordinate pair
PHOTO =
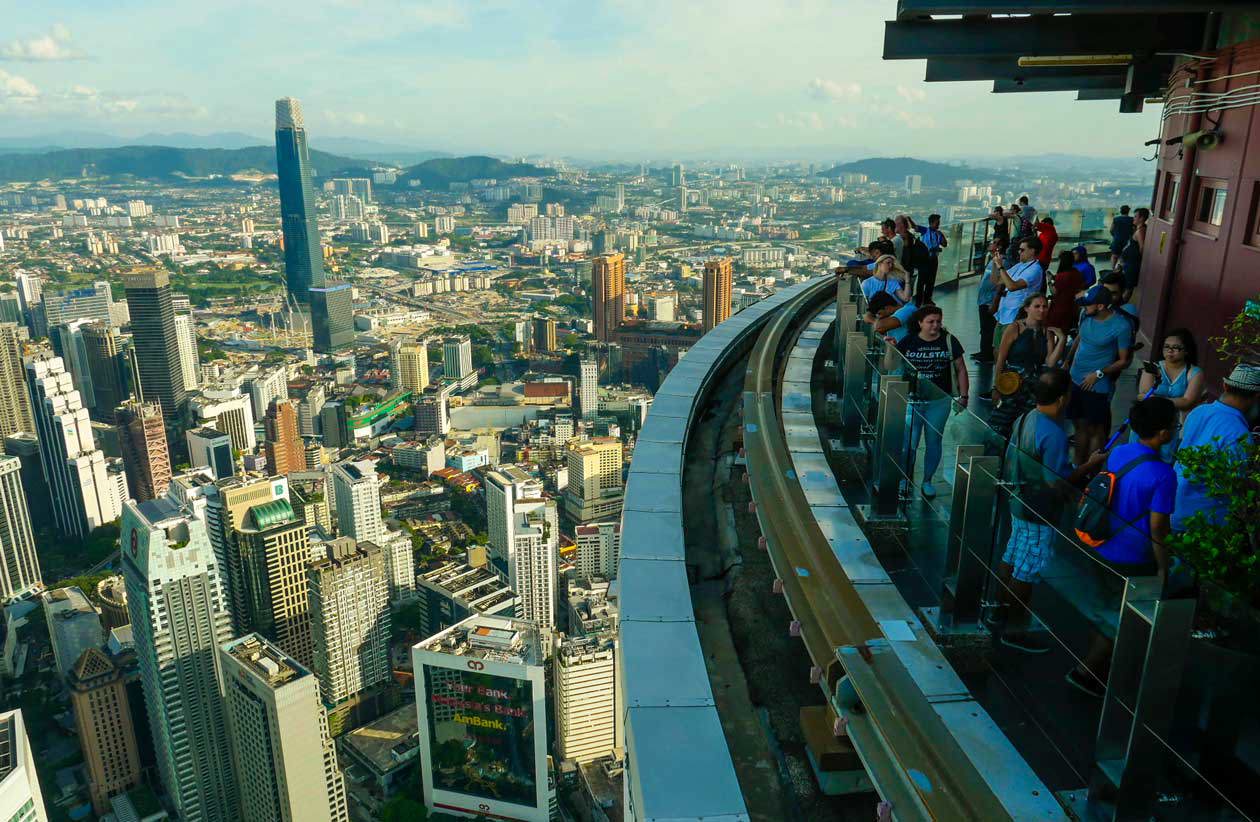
(1024, 278)
(888, 317)
(1222, 424)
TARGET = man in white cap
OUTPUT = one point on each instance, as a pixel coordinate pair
(1221, 424)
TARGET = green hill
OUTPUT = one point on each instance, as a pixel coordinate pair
(440, 172)
(895, 170)
(158, 163)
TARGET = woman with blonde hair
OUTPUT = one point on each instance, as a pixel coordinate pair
(887, 275)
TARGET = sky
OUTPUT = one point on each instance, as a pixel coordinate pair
(618, 79)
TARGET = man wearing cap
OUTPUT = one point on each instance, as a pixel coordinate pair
(1023, 278)
(1102, 350)
(1221, 424)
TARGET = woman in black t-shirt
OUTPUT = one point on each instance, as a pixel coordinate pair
(937, 358)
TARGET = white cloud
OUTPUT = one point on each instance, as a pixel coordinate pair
(437, 14)
(913, 120)
(52, 47)
(353, 118)
(13, 87)
(911, 95)
(837, 90)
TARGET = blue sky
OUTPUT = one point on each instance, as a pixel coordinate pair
(633, 79)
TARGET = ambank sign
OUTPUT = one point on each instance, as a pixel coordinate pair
(481, 722)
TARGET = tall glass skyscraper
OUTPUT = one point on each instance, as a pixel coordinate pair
(157, 348)
(330, 304)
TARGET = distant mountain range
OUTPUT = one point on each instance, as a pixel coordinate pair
(896, 169)
(438, 173)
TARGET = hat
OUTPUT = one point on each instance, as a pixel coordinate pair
(1098, 295)
(1244, 377)
(1080, 249)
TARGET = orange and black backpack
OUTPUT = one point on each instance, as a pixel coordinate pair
(1093, 512)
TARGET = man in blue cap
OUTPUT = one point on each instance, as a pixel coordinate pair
(1102, 350)
(1224, 425)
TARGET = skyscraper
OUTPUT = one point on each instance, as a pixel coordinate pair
(15, 401)
(108, 367)
(179, 619)
(717, 292)
(330, 303)
(283, 445)
(350, 619)
(283, 752)
(20, 797)
(147, 460)
(587, 703)
(73, 466)
(544, 334)
(186, 341)
(67, 340)
(19, 565)
(211, 448)
(534, 569)
(358, 494)
(457, 357)
(107, 736)
(503, 488)
(229, 501)
(274, 550)
(595, 480)
(411, 367)
(588, 388)
(155, 339)
(608, 294)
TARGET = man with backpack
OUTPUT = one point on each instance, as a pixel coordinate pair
(1041, 476)
(1124, 518)
(934, 241)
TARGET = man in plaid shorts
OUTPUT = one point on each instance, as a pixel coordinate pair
(1039, 473)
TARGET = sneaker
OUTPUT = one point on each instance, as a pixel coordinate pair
(1085, 683)
(995, 619)
(929, 490)
(1025, 642)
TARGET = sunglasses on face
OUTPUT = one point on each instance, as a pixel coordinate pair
(1174, 348)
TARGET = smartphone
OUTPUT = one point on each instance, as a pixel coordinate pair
(1150, 368)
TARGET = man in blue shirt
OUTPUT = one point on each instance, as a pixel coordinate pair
(1221, 424)
(1023, 278)
(1141, 504)
(1102, 350)
(1040, 475)
(883, 311)
(1080, 261)
(985, 300)
(934, 241)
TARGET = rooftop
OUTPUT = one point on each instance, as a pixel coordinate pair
(386, 742)
(500, 639)
(265, 660)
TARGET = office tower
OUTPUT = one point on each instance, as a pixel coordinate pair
(330, 303)
(232, 414)
(608, 294)
(504, 487)
(74, 468)
(107, 736)
(284, 755)
(30, 292)
(94, 302)
(400, 566)
(335, 425)
(267, 385)
(308, 410)
(677, 177)
(717, 292)
(283, 446)
(432, 414)
(228, 501)
(595, 480)
(412, 371)
(20, 797)
(211, 448)
(73, 626)
(587, 701)
(914, 183)
(481, 709)
(147, 460)
(10, 309)
(457, 357)
(544, 335)
(274, 550)
(67, 343)
(108, 368)
(15, 401)
(25, 447)
(588, 388)
(350, 619)
(155, 340)
(186, 340)
(598, 549)
(533, 571)
(19, 564)
(179, 619)
(357, 491)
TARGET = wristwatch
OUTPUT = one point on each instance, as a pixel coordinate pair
(1099, 374)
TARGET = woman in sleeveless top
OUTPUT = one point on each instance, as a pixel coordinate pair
(1027, 347)
(1180, 379)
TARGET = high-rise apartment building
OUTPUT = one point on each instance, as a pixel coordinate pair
(15, 400)
(155, 339)
(108, 367)
(21, 800)
(598, 549)
(544, 335)
(350, 619)
(432, 413)
(274, 551)
(106, 730)
(284, 755)
(587, 702)
(25, 446)
(146, 458)
(67, 343)
(608, 294)
(457, 357)
(357, 491)
(186, 341)
(533, 571)
(717, 292)
(330, 303)
(503, 488)
(595, 484)
(283, 445)
(82, 496)
(480, 696)
(19, 564)
(233, 414)
(267, 385)
(588, 388)
(179, 618)
(411, 367)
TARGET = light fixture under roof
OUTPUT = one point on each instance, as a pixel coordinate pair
(1060, 60)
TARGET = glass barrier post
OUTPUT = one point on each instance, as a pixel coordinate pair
(854, 378)
(891, 439)
(1146, 669)
(846, 322)
(971, 523)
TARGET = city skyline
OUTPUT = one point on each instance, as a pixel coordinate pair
(804, 79)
